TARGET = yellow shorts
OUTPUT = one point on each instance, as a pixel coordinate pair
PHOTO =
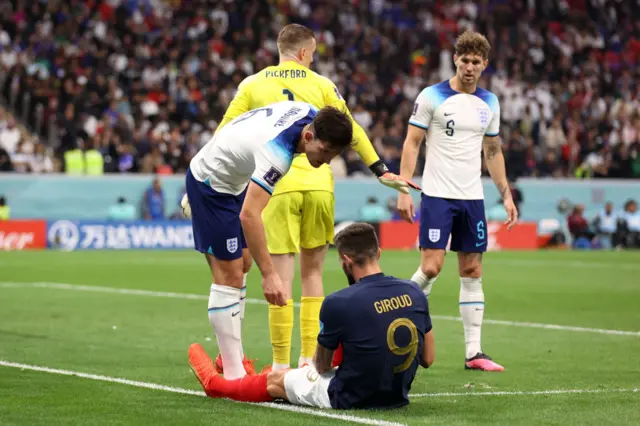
(298, 219)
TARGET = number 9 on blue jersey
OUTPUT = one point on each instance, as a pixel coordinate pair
(410, 350)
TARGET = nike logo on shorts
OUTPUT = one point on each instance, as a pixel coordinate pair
(480, 244)
(233, 314)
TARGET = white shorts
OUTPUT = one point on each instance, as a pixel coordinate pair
(305, 386)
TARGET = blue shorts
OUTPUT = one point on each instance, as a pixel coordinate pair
(464, 220)
(215, 218)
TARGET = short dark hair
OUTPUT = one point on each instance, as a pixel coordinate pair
(334, 127)
(291, 38)
(358, 241)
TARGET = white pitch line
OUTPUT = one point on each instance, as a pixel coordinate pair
(334, 266)
(546, 326)
(304, 410)
(155, 386)
(562, 263)
(113, 290)
(520, 393)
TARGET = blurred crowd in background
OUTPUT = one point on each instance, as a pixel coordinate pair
(140, 85)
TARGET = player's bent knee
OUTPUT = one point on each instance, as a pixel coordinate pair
(470, 267)
(471, 271)
(228, 272)
(273, 390)
(276, 377)
(275, 384)
(431, 267)
(235, 279)
(431, 270)
(431, 262)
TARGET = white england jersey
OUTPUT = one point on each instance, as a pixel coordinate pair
(259, 145)
(456, 123)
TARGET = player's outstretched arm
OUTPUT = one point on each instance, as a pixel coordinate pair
(364, 148)
(251, 218)
(428, 350)
(492, 148)
(410, 151)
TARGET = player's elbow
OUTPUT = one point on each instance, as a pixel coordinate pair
(428, 360)
(428, 351)
(322, 368)
(248, 216)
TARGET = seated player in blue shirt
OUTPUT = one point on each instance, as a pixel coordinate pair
(381, 323)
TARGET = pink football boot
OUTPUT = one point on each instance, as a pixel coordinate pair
(482, 362)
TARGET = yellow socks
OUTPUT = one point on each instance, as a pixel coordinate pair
(281, 328)
(309, 327)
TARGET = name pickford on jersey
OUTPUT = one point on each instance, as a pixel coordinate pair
(286, 74)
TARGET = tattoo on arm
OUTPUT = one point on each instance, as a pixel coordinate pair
(492, 148)
(495, 163)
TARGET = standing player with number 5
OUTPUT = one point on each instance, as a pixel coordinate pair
(229, 183)
(462, 120)
(382, 325)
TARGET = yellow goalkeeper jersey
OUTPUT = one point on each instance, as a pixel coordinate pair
(292, 81)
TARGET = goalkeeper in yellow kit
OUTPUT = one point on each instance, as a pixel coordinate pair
(300, 214)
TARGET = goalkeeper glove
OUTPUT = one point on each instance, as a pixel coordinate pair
(392, 180)
(186, 208)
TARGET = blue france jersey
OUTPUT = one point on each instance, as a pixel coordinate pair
(380, 322)
(456, 123)
(258, 145)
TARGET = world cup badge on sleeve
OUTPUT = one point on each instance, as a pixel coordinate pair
(272, 176)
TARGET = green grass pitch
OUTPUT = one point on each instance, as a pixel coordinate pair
(554, 376)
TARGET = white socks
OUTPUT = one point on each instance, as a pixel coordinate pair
(243, 295)
(224, 316)
(471, 307)
(472, 311)
(303, 360)
(423, 281)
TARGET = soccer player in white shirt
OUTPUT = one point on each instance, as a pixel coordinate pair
(229, 183)
(461, 120)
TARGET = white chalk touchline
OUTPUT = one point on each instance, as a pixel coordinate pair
(155, 386)
(304, 410)
(519, 393)
(172, 295)
(546, 326)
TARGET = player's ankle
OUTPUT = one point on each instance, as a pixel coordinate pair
(303, 360)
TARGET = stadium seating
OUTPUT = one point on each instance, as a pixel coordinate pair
(146, 81)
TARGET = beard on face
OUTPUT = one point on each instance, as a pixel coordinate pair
(349, 275)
